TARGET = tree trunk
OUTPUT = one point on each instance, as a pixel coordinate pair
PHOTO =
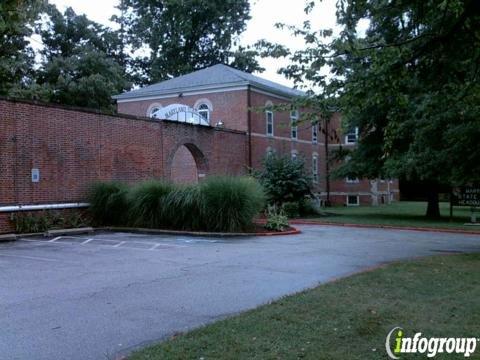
(433, 207)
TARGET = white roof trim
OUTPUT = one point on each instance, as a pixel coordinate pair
(185, 93)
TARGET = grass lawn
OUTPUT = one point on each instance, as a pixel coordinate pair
(346, 319)
(401, 213)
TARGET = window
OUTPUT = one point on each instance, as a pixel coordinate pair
(270, 151)
(314, 133)
(153, 109)
(352, 180)
(352, 136)
(294, 155)
(204, 111)
(293, 124)
(315, 168)
(269, 118)
(353, 200)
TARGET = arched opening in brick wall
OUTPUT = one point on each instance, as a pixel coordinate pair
(188, 165)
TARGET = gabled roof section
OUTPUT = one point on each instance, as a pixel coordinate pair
(214, 77)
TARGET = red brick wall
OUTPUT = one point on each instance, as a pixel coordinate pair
(184, 168)
(74, 148)
(281, 142)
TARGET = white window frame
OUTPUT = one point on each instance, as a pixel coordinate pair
(315, 168)
(294, 129)
(206, 110)
(350, 180)
(152, 108)
(354, 133)
(315, 134)
(267, 122)
(350, 204)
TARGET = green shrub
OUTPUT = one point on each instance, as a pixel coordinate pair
(276, 219)
(185, 208)
(284, 179)
(291, 209)
(308, 207)
(108, 202)
(226, 204)
(147, 201)
(230, 203)
(41, 221)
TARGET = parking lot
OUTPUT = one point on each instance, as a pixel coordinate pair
(98, 296)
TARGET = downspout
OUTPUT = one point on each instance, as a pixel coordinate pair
(249, 125)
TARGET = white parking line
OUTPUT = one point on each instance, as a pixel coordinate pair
(167, 245)
(55, 239)
(119, 244)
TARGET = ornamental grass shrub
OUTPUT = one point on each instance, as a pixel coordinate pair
(231, 203)
(185, 208)
(147, 204)
(108, 203)
(227, 204)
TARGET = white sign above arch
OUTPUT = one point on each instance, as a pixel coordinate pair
(180, 113)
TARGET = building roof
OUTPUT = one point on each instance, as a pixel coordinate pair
(213, 77)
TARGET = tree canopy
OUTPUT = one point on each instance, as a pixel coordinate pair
(80, 62)
(16, 55)
(183, 36)
(410, 83)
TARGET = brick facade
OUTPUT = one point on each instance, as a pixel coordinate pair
(231, 107)
(73, 148)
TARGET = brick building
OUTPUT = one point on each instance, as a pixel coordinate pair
(230, 99)
(183, 129)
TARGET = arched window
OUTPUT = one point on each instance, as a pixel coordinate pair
(152, 109)
(204, 111)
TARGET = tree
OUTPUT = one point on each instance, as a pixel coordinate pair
(284, 179)
(82, 62)
(183, 36)
(16, 56)
(410, 83)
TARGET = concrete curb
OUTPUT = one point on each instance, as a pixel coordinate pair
(13, 237)
(8, 237)
(74, 231)
(390, 227)
(196, 233)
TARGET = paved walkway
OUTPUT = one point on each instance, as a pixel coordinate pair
(100, 296)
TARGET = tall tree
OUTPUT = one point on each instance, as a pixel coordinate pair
(82, 62)
(182, 36)
(16, 56)
(411, 84)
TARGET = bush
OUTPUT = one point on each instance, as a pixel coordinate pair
(185, 208)
(291, 209)
(34, 222)
(308, 207)
(276, 219)
(147, 202)
(108, 202)
(284, 179)
(226, 204)
(230, 203)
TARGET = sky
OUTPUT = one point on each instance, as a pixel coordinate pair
(264, 13)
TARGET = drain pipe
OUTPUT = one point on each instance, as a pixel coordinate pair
(13, 208)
